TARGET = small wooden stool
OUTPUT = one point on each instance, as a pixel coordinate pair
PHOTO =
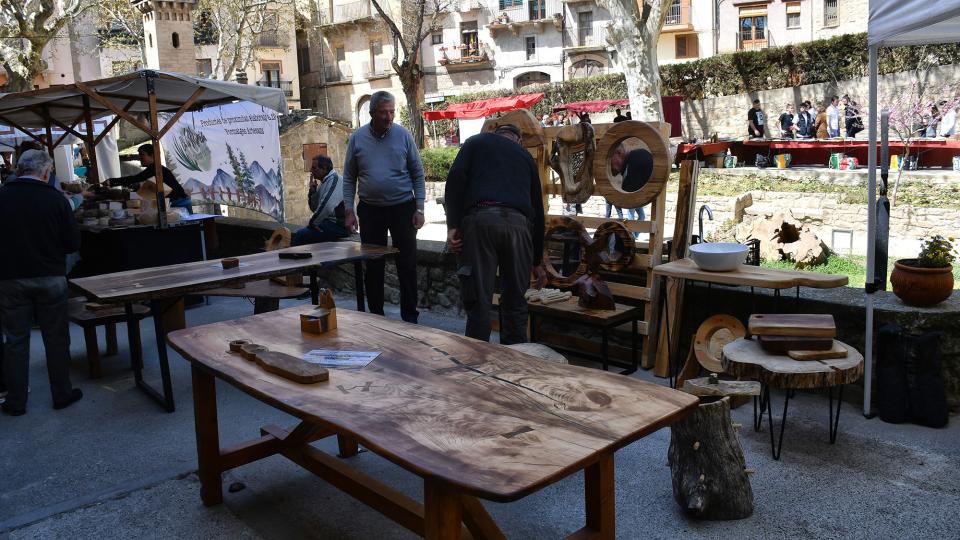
(108, 317)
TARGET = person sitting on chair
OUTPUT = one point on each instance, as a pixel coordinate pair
(326, 201)
(178, 197)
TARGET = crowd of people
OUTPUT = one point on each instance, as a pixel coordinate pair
(841, 117)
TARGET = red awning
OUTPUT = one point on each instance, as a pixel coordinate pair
(484, 107)
(592, 106)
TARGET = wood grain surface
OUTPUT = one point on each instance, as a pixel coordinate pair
(712, 335)
(819, 325)
(263, 288)
(837, 350)
(495, 422)
(570, 310)
(753, 276)
(744, 358)
(659, 148)
(179, 279)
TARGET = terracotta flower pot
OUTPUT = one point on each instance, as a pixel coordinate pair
(921, 287)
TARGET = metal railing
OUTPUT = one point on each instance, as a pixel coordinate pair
(337, 74)
(831, 13)
(675, 13)
(531, 10)
(286, 86)
(342, 13)
(463, 54)
(594, 35)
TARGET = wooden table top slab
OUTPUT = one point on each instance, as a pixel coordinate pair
(179, 279)
(263, 288)
(569, 310)
(751, 276)
(498, 423)
(746, 359)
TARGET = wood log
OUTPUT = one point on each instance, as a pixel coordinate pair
(706, 460)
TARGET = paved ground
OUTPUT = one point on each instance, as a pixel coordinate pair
(115, 466)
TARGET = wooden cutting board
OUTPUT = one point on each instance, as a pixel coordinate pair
(795, 324)
(836, 351)
(291, 367)
(783, 344)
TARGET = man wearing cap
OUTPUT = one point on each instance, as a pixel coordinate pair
(495, 220)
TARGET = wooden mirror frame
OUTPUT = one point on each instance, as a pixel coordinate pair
(555, 223)
(658, 147)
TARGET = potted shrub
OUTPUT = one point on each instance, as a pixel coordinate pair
(927, 280)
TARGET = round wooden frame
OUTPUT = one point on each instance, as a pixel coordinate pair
(620, 231)
(278, 240)
(658, 147)
(562, 222)
(705, 334)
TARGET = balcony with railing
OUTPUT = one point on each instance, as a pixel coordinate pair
(467, 56)
(381, 69)
(587, 37)
(349, 12)
(286, 86)
(337, 74)
(514, 15)
(678, 17)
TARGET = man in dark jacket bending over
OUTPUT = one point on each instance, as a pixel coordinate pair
(495, 219)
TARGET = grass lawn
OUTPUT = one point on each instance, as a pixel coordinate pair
(854, 267)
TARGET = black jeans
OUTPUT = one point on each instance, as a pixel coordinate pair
(20, 301)
(496, 237)
(375, 222)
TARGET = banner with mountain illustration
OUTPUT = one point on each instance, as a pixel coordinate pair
(228, 155)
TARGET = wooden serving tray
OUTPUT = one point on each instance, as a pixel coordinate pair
(836, 351)
(796, 324)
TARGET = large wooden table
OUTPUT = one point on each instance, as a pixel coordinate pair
(473, 419)
(164, 286)
(744, 275)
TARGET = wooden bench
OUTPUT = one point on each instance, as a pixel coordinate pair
(108, 317)
(266, 294)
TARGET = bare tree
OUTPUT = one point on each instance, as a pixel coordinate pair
(26, 27)
(121, 26)
(241, 26)
(634, 31)
(417, 18)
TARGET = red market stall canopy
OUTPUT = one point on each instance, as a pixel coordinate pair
(592, 106)
(483, 107)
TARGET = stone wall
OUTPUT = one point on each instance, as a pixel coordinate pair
(727, 115)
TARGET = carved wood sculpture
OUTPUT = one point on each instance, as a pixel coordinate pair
(324, 318)
(614, 257)
(710, 479)
(282, 364)
(280, 239)
(572, 159)
(592, 291)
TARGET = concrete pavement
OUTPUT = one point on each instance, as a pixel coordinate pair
(115, 466)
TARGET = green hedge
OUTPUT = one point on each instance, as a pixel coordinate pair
(437, 162)
(836, 59)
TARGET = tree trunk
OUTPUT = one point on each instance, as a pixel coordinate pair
(707, 464)
(634, 31)
(411, 90)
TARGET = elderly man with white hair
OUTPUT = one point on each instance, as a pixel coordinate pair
(37, 231)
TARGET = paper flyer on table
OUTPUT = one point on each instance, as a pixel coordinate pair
(343, 359)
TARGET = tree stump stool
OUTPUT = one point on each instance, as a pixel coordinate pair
(108, 317)
(710, 479)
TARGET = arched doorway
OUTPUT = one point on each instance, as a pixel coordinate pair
(363, 111)
(530, 78)
(586, 68)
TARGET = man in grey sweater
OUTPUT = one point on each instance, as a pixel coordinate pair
(383, 164)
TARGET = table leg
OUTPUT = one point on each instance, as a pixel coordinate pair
(314, 287)
(604, 346)
(442, 510)
(133, 340)
(165, 399)
(533, 327)
(600, 498)
(93, 350)
(265, 305)
(208, 436)
(834, 421)
(348, 446)
(653, 328)
(634, 359)
(776, 447)
(111, 332)
(358, 285)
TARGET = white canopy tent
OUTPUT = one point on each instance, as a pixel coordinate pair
(893, 23)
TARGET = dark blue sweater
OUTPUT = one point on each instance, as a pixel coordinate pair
(37, 230)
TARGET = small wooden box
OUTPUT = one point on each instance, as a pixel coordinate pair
(318, 322)
(230, 262)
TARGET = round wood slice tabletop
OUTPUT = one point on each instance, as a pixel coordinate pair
(745, 358)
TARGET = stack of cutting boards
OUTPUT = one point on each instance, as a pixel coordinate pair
(800, 336)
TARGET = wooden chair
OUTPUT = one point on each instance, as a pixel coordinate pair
(106, 316)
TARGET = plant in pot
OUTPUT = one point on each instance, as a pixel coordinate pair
(927, 280)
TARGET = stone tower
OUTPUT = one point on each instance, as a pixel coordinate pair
(168, 34)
